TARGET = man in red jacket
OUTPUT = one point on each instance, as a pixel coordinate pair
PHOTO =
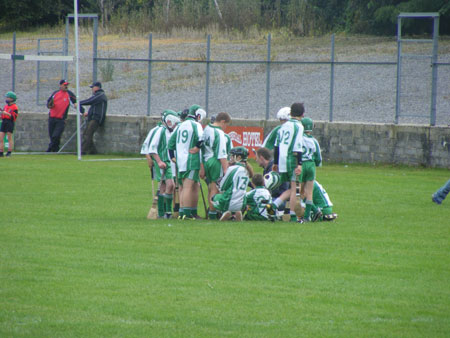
(58, 103)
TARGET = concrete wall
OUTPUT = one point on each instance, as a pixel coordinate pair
(340, 141)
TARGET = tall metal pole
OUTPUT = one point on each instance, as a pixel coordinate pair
(332, 79)
(208, 58)
(94, 50)
(14, 64)
(399, 69)
(66, 48)
(38, 72)
(434, 71)
(77, 81)
(149, 77)
(269, 40)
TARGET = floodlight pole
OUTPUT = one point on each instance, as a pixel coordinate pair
(77, 81)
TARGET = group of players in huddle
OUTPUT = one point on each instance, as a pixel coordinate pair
(180, 152)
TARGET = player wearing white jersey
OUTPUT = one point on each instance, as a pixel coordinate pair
(159, 151)
(311, 158)
(288, 156)
(233, 186)
(215, 156)
(184, 150)
(154, 169)
(283, 115)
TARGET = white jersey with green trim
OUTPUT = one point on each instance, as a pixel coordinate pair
(229, 143)
(289, 141)
(185, 137)
(320, 194)
(257, 200)
(215, 143)
(145, 149)
(311, 150)
(271, 138)
(234, 186)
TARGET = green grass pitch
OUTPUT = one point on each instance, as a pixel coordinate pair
(79, 258)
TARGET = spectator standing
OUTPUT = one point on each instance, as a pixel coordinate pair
(96, 114)
(58, 103)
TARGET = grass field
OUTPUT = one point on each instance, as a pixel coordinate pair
(79, 258)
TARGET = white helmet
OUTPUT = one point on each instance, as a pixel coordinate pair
(284, 113)
(272, 180)
(171, 120)
(200, 114)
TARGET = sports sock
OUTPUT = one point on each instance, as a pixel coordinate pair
(278, 202)
(308, 208)
(194, 212)
(160, 205)
(187, 212)
(168, 199)
(212, 215)
(293, 216)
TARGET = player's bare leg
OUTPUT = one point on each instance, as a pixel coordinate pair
(212, 190)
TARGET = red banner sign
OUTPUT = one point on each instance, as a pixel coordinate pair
(248, 137)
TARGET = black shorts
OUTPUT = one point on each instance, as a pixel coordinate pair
(7, 126)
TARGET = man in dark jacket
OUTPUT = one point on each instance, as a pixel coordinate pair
(98, 103)
(58, 103)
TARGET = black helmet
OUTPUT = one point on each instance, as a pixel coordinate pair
(239, 151)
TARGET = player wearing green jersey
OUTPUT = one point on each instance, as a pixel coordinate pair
(257, 201)
(184, 150)
(311, 158)
(159, 151)
(214, 156)
(288, 156)
(233, 186)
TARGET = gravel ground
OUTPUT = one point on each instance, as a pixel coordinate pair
(362, 93)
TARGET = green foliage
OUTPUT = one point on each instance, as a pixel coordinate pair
(301, 17)
(79, 258)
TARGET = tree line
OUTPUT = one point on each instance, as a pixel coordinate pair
(300, 17)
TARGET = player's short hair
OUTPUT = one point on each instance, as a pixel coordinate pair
(297, 109)
(258, 180)
(223, 117)
(264, 153)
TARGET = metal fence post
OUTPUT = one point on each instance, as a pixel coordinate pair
(434, 71)
(399, 69)
(37, 72)
(269, 42)
(149, 77)
(208, 58)
(66, 48)
(332, 79)
(94, 51)
(14, 63)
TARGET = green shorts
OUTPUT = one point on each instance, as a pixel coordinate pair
(288, 177)
(157, 172)
(213, 170)
(308, 171)
(191, 174)
(223, 202)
